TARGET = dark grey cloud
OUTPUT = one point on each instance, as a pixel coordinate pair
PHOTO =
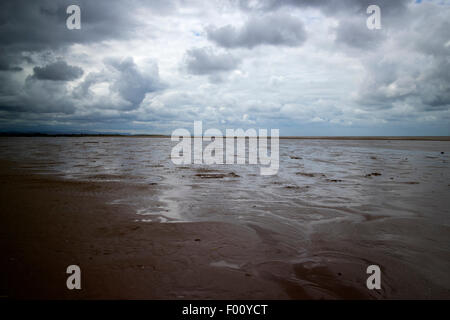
(11, 62)
(5, 65)
(37, 26)
(425, 88)
(270, 29)
(58, 71)
(205, 61)
(412, 68)
(38, 29)
(353, 33)
(92, 78)
(41, 24)
(329, 7)
(131, 83)
(124, 78)
(128, 86)
(37, 97)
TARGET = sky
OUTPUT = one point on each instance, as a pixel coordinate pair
(307, 68)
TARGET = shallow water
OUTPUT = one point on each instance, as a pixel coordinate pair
(342, 205)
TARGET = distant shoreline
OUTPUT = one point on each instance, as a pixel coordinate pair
(80, 135)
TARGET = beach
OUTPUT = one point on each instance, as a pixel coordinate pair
(63, 223)
(140, 227)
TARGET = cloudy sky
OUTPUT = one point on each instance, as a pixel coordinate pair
(307, 67)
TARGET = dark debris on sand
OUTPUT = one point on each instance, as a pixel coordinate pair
(374, 174)
(305, 174)
(217, 175)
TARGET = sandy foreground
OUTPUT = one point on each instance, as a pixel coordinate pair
(48, 223)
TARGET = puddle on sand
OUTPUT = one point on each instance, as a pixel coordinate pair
(224, 264)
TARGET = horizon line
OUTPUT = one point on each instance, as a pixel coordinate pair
(130, 135)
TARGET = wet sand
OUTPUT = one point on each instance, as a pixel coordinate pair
(308, 233)
(48, 224)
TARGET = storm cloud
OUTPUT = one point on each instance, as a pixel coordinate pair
(415, 69)
(329, 7)
(58, 71)
(203, 61)
(278, 29)
(130, 83)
